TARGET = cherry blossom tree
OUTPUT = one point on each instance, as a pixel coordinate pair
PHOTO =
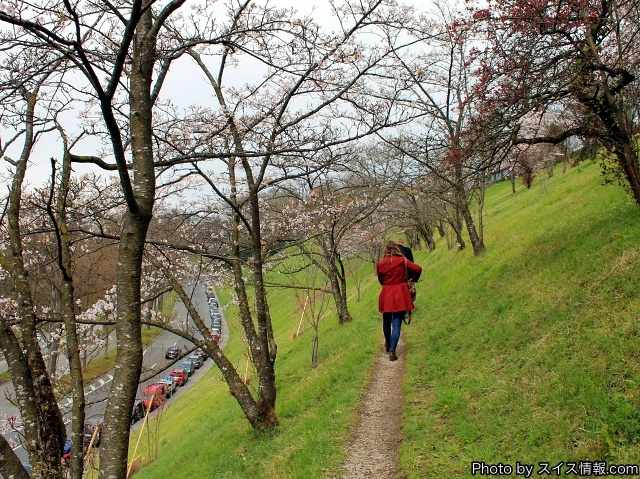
(322, 214)
(439, 84)
(50, 245)
(314, 93)
(578, 59)
(127, 43)
(44, 431)
(310, 100)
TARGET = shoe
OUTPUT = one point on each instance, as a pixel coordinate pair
(392, 356)
(386, 346)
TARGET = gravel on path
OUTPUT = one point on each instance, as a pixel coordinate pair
(373, 450)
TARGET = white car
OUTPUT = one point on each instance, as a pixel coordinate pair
(171, 385)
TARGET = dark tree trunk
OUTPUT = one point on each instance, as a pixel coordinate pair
(456, 226)
(624, 145)
(128, 365)
(75, 463)
(67, 308)
(426, 232)
(239, 390)
(10, 466)
(314, 346)
(265, 354)
(463, 206)
(44, 431)
(337, 280)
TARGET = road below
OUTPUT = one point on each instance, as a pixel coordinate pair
(154, 367)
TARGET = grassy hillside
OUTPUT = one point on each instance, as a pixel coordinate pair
(205, 435)
(529, 353)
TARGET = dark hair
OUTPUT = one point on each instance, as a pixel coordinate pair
(391, 249)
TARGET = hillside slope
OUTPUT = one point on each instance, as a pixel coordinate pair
(531, 353)
(528, 353)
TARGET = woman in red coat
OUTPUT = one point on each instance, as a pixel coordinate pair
(395, 300)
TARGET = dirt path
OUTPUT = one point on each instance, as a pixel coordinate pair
(373, 451)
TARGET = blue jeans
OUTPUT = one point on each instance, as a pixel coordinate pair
(391, 326)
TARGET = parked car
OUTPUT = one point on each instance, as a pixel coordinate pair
(179, 376)
(173, 353)
(202, 354)
(154, 394)
(188, 366)
(215, 334)
(92, 429)
(196, 360)
(138, 411)
(171, 385)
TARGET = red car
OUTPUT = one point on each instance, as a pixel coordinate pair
(156, 394)
(179, 376)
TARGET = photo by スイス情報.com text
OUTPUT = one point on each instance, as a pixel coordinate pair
(580, 469)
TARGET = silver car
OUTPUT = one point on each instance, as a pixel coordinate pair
(196, 359)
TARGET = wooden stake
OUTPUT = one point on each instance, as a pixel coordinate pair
(297, 333)
(246, 371)
(144, 423)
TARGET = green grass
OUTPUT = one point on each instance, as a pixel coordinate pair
(208, 435)
(531, 352)
(528, 353)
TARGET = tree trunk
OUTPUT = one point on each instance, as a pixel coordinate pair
(314, 346)
(426, 232)
(237, 386)
(619, 125)
(44, 431)
(463, 207)
(456, 226)
(336, 280)
(67, 308)
(128, 365)
(10, 465)
(54, 348)
(476, 241)
(265, 355)
(481, 194)
(626, 153)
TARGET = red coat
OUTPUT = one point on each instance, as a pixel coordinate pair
(395, 295)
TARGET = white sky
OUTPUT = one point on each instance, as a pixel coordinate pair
(185, 85)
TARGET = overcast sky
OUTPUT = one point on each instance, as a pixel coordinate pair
(185, 85)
